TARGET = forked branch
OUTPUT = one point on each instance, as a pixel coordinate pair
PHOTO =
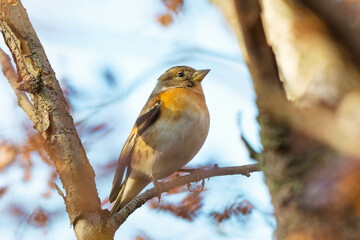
(10, 74)
(48, 110)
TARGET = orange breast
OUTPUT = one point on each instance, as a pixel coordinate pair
(177, 99)
(174, 99)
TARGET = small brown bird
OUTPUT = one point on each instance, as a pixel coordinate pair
(168, 133)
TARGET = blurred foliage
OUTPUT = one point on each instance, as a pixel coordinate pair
(236, 209)
(26, 151)
(173, 7)
(188, 208)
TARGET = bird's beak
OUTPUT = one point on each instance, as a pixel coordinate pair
(199, 75)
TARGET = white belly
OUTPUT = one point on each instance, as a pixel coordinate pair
(178, 149)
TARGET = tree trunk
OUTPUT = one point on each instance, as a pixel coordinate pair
(51, 117)
(310, 164)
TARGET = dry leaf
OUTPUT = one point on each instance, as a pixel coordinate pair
(187, 209)
(165, 19)
(236, 209)
(173, 5)
(7, 155)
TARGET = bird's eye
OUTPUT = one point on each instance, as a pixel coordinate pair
(180, 74)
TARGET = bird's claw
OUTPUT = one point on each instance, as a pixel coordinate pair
(202, 184)
(157, 187)
(188, 185)
(200, 174)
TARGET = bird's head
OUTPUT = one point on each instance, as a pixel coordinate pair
(182, 76)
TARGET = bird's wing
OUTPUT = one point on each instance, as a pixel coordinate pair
(147, 117)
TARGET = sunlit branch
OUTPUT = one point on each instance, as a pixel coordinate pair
(52, 118)
(10, 74)
(195, 176)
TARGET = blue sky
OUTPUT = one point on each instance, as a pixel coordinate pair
(81, 39)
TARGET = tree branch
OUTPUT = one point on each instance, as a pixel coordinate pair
(51, 118)
(339, 23)
(118, 219)
(259, 53)
(283, 128)
(10, 74)
(317, 122)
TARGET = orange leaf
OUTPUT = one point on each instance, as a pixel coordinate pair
(3, 190)
(173, 5)
(38, 218)
(165, 19)
(7, 155)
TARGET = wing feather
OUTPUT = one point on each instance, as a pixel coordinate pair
(123, 163)
(147, 117)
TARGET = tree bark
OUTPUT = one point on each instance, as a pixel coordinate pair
(53, 120)
(311, 174)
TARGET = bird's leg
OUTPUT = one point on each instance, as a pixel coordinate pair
(200, 173)
(157, 187)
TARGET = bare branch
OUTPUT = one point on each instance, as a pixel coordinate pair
(10, 74)
(60, 192)
(253, 154)
(118, 219)
(52, 119)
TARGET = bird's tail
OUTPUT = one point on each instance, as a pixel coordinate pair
(129, 190)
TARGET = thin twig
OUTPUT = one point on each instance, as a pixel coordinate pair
(60, 192)
(118, 219)
(253, 154)
(10, 74)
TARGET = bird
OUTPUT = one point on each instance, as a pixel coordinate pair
(168, 133)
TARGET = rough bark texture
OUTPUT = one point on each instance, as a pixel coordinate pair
(311, 174)
(53, 119)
